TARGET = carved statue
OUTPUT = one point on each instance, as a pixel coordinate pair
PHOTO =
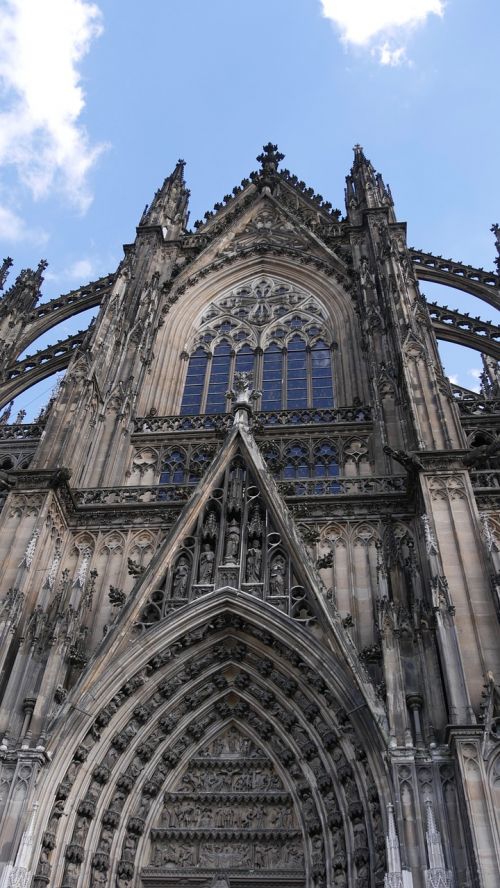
(232, 543)
(207, 558)
(181, 577)
(277, 576)
(254, 561)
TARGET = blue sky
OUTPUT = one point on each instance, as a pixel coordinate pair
(98, 101)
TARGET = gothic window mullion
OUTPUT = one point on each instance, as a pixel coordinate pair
(284, 378)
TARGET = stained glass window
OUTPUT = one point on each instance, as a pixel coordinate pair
(193, 389)
(272, 378)
(296, 395)
(219, 379)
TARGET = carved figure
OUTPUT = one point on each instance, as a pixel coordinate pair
(232, 543)
(254, 561)
(277, 576)
(207, 558)
(181, 577)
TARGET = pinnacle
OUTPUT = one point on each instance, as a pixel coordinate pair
(270, 158)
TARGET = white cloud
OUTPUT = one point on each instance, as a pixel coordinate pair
(82, 270)
(361, 22)
(476, 374)
(41, 47)
(14, 229)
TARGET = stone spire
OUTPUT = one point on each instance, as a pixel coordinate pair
(4, 271)
(18, 875)
(437, 876)
(496, 231)
(24, 294)
(365, 189)
(490, 377)
(168, 208)
(395, 877)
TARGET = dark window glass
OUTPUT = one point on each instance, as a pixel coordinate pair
(272, 378)
(244, 360)
(321, 367)
(173, 468)
(193, 389)
(219, 379)
(296, 374)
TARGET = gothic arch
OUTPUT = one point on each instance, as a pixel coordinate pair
(180, 686)
(184, 314)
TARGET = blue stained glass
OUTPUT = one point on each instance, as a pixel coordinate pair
(244, 360)
(272, 378)
(219, 379)
(322, 384)
(193, 389)
(296, 373)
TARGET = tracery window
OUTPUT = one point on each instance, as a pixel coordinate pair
(279, 333)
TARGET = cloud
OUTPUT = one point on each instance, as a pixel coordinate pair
(81, 270)
(361, 22)
(14, 229)
(41, 135)
(476, 374)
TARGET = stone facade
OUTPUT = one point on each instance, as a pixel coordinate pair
(255, 643)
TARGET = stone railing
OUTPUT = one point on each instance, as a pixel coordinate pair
(170, 493)
(344, 486)
(124, 496)
(485, 479)
(478, 406)
(20, 431)
(262, 419)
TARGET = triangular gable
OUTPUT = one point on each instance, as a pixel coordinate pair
(285, 576)
(264, 225)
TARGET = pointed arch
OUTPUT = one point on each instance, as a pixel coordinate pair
(142, 721)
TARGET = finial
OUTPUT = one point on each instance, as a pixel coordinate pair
(270, 158)
(242, 394)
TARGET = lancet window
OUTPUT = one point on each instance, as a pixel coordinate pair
(276, 331)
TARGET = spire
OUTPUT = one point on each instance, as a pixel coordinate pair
(168, 208)
(490, 377)
(269, 160)
(4, 271)
(395, 876)
(25, 292)
(496, 231)
(365, 189)
(437, 876)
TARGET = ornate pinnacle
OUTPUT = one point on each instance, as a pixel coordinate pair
(4, 270)
(270, 158)
(242, 394)
(495, 228)
(437, 876)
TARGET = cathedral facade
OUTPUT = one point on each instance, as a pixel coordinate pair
(250, 559)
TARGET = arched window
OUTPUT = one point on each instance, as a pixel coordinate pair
(325, 460)
(173, 467)
(195, 379)
(296, 377)
(219, 379)
(272, 378)
(254, 329)
(296, 461)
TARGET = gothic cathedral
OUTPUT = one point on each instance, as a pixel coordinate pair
(250, 559)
